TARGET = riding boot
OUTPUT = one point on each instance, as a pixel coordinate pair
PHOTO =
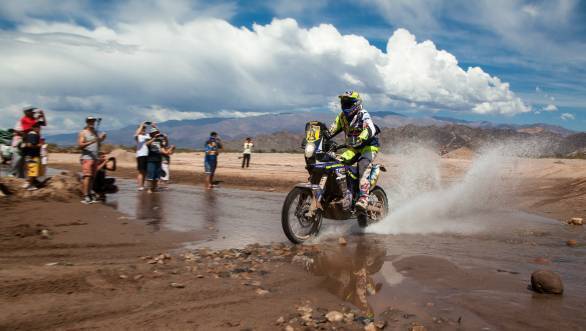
(362, 202)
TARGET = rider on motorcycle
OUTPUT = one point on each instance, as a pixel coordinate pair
(361, 139)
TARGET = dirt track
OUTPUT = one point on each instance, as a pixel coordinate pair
(555, 187)
(90, 274)
(95, 271)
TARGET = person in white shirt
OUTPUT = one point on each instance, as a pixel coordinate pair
(44, 157)
(17, 158)
(142, 152)
(248, 144)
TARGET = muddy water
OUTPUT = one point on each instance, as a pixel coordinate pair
(475, 279)
(479, 278)
(234, 218)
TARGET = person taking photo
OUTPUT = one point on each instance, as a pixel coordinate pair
(89, 142)
(31, 150)
(246, 152)
(142, 152)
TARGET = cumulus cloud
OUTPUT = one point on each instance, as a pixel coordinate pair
(206, 65)
(160, 114)
(550, 107)
(567, 117)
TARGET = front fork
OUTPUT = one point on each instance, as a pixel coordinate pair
(317, 191)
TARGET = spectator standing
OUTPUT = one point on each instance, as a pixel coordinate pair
(89, 142)
(31, 150)
(247, 151)
(142, 153)
(168, 150)
(155, 159)
(32, 115)
(44, 157)
(212, 148)
(17, 162)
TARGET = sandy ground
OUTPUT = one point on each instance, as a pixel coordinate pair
(97, 269)
(551, 186)
(269, 172)
(89, 274)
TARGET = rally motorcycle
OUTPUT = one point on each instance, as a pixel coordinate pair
(308, 203)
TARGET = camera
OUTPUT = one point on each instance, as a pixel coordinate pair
(148, 123)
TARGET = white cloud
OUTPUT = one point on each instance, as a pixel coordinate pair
(550, 107)
(567, 117)
(205, 65)
(531, 10)
(160, 114)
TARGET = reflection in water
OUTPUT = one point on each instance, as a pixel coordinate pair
(209, 208)
(349, 271)
(184, 208)
(149, 207)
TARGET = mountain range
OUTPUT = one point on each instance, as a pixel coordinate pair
(288, 126)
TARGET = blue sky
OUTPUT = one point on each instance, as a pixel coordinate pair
(128, 60)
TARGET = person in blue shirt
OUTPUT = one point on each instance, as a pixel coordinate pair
(212, 148)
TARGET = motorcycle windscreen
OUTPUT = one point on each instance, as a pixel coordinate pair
(313, 139)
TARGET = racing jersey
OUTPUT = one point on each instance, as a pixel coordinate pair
(359, 130)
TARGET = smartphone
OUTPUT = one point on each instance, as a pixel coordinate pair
(147, 123)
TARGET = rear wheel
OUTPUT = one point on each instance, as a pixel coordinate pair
(297, 222)
(378, 208)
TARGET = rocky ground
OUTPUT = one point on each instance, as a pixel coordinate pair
(69, 266)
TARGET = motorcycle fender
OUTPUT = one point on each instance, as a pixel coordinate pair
(316, 192)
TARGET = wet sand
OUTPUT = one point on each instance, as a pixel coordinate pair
(89, 274)
(473, 279)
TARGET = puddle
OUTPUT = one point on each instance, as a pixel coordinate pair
(470, 275)
(349, 272)
(443, 279)
(235, 217)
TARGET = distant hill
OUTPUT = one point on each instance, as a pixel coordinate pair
(448, 137)
(192, 133)
(283, 132)
(528, 128)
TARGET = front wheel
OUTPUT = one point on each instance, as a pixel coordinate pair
(298, 222)
(378, 208)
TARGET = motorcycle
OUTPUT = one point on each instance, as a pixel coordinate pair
(329, 181)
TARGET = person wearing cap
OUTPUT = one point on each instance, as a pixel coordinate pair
(31, 116)
(31, 150)
(89, 142)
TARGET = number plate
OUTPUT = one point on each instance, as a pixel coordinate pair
(313, 134)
